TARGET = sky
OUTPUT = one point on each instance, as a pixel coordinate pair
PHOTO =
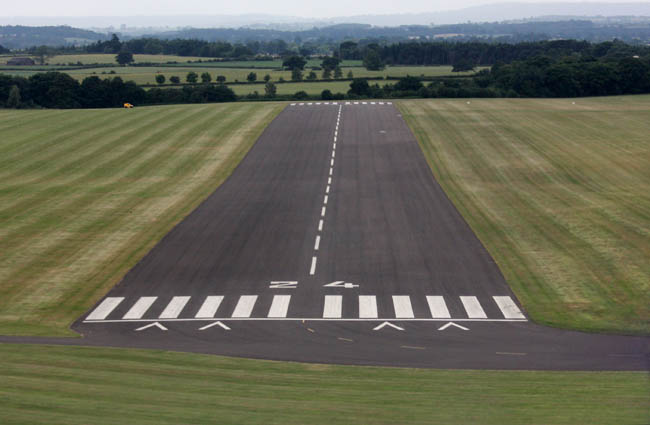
(300, 8)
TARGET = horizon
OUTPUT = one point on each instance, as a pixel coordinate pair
(335, 9)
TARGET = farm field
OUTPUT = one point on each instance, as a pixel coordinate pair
(84, 194)
(559, 193)
(101, 58)
(147, 75)
(74, 385)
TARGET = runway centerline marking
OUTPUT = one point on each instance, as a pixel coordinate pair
(317, 243)
(312, 270)
(320, 226)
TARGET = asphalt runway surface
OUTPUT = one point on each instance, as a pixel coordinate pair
(333, 243)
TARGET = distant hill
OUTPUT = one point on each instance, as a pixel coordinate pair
(496, 12)
(506, 32)
(20, 37)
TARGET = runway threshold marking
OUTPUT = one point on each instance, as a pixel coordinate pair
(367, 306)
(105, 308)
(473, 308)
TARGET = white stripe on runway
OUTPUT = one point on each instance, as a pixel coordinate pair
(139, 308)
(320, 226)
(174, 308)
(327, 189)
(279, 306)
(105, 308)
(473, 308)
(317, 243)
(322, 212)
(333, 306)
(438, 307)
(209, 307)
(244, 306)
(312, 270)
(367, 307)
(402, 305)
(509, 308)
(325, 200)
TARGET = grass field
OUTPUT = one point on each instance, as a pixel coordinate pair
(559, 193)
(71, 385)
(147, 75)
(84, 194)
(101, 58)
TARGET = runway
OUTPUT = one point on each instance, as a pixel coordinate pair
(333, 243)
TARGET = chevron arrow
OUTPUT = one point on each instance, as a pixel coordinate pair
(152, 325)
(443, 327)
(214, 324)
(387, 324)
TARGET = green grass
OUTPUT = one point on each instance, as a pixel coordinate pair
(147, 75)
(84, 194)
(559, 193)
(102, 58)
(73, 385)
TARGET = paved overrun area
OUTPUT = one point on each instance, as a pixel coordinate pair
(333, 243)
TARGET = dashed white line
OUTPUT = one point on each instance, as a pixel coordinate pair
(332, 162)
(312, 270)
(331, 171)
(333, 153)
(327, 189)
(325, 200)
(320, 226)
(329, 181)
(322, 212)
(317, 243)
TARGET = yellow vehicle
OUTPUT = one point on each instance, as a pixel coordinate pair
(128, 105)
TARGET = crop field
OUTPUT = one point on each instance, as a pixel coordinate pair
(74, 385)
(559, 193)
(84, 194)
(102, 58)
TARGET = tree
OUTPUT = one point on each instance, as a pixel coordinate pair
(251, 77)
(221, 79)
(327, 95)
(311, 76)
(160, 79)
(192, 77)
(327, 74)
(267, 78)
(269, 89)
(124, 57)
(206, 77)
(175, 79)
(330, 63)
(338, 72)
(372, 61)
(301, 95)
(408, 83)
(294, 62)
(296, 74)
(43, 53)
(350, 74)
(113, 46)
(13, 100)
(360, 87)
(462, 65)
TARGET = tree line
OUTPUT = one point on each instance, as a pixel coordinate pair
(59, 90)
(598, 70)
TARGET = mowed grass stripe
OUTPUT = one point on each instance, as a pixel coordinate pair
(147, 160)
(559, 199)
(63, 147)
(109, 210)
(64, 188)
(72, 385)
(595, 224)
